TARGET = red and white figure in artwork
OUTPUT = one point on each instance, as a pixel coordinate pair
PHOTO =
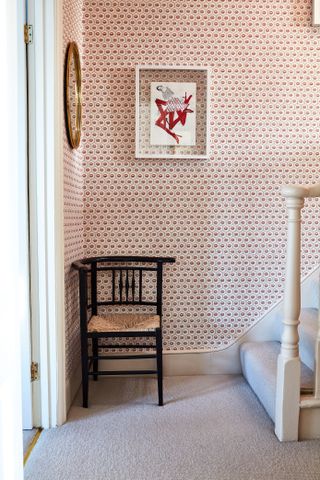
(172, 114)
(172, 111)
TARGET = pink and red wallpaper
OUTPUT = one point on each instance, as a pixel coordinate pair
(73, 201)
(223, 219)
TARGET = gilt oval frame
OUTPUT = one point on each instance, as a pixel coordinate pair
(74, 130)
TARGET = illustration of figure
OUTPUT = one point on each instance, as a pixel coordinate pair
(172, 109)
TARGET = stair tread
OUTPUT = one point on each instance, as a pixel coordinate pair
(259, 367)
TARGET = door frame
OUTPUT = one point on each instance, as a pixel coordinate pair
(27, 401)
(46, 210)
(12, 286)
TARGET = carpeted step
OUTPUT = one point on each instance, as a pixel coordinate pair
(259, 367)
(308, 330)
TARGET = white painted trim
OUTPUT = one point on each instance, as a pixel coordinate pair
(309, 423)
(137, 99)
(309, 402)
(55, 223)
(208, 113)
(37, 211)
(316, 13)
(27, 415)
(72, 386)
(172, 156)
(139, 155)
(46, 210)
(12, 288)
(172, 67)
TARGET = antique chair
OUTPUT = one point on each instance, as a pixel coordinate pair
(107, 286)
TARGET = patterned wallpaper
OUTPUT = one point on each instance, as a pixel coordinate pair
(73, 202)
(222, 218)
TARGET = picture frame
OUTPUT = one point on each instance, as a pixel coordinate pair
(73, 95)
(315, 13)
(172, 112)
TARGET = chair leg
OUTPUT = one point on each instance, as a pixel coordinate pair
(95, 354)
(85, 376)
(159, 365)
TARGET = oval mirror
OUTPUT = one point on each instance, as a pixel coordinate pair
(73, 95)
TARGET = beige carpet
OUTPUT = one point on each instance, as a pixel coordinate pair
(211, 428)
(28, 436)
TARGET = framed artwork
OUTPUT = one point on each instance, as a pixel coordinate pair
(172, 108)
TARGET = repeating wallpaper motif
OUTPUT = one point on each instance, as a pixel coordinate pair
(73, 203)
(223, 219)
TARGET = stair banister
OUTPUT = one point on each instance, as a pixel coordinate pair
(288, 369)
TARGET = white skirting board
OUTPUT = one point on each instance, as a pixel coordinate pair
(309, 423)
(205, 362)
(72, 386)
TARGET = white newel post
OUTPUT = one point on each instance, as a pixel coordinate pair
(288, 373)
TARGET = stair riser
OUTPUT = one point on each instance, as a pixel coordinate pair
(309, 423)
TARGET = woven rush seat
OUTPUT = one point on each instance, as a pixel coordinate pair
(119, 322)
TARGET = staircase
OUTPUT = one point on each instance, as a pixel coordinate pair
(285, 373)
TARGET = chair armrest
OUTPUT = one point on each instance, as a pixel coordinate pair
(78, 265)
(126, 258)
(85, 263)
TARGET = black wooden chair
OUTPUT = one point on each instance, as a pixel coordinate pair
(105, 284)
